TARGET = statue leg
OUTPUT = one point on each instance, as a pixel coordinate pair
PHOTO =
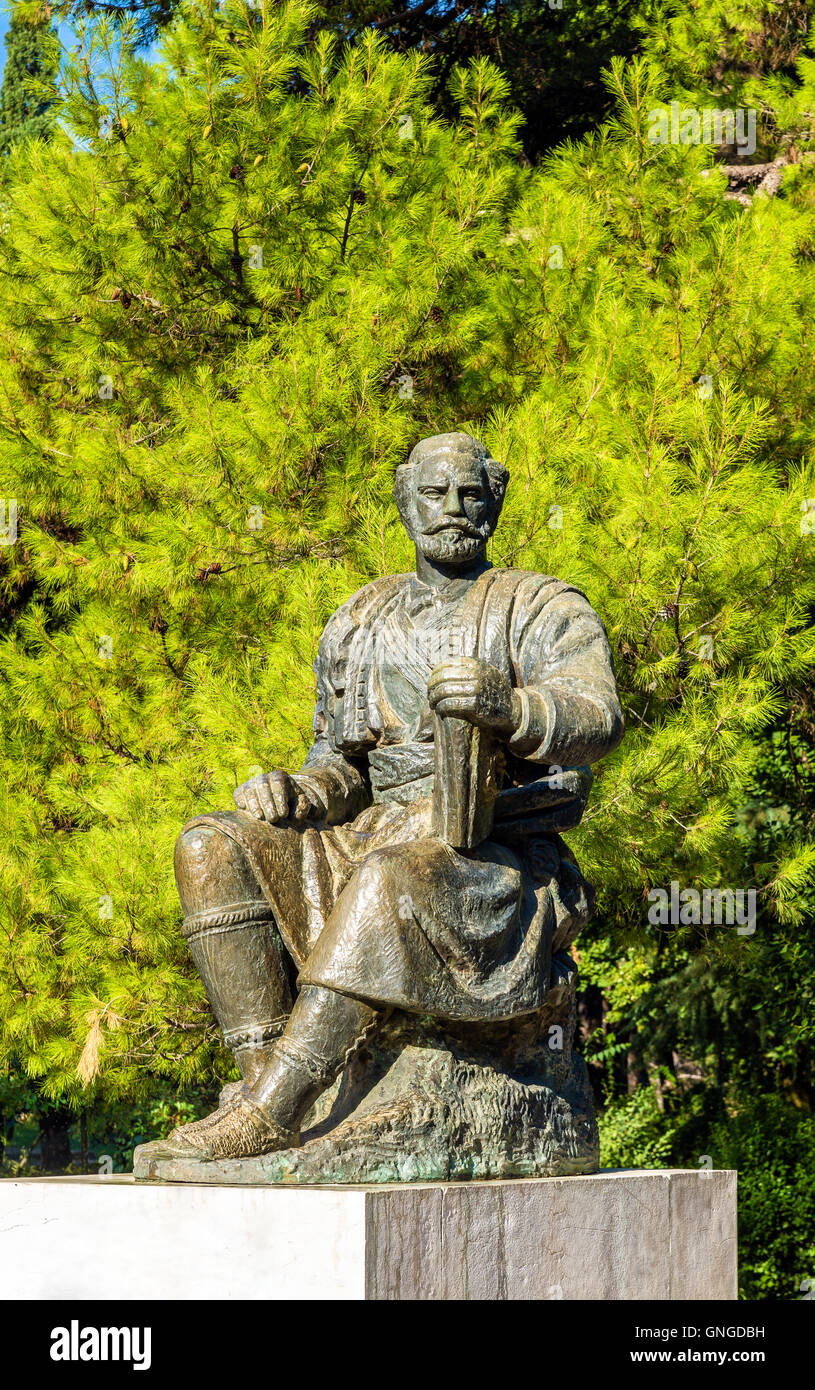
(236, 947)
(322, 1035)
(324, 1031)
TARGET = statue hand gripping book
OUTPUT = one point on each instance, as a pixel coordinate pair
(383, 935)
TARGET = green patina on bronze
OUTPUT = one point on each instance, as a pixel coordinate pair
(384, 935)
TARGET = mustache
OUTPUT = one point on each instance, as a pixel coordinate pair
(461, 528)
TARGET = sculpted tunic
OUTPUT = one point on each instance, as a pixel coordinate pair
(369, 902)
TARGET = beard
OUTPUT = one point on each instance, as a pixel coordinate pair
(455, 542)
(452, 545)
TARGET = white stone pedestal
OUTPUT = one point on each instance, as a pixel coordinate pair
(613, 1235)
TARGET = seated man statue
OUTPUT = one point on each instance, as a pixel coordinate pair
(414, 861)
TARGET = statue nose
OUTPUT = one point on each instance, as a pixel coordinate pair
(452, 503)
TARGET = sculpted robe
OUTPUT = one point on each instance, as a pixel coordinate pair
(369, 902)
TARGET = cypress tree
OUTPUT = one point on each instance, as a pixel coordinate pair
(26, 103)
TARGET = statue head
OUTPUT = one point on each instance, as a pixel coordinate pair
(449, 494)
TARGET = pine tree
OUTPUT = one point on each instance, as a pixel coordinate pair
(26, 112)
(209, 398)
(142, 20)
(551, 53)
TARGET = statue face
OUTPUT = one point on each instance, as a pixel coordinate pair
(454, 510)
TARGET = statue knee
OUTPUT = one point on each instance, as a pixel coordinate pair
(192, 848)
(211, 870)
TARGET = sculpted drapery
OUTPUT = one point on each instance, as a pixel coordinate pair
(373, 905)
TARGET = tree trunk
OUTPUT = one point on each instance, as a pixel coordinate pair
(591, 1011)
(55, 1137)
(635, 1073)
(83, 1140)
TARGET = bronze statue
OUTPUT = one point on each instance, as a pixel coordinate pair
(410, 881)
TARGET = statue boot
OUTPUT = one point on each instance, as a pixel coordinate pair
(236, 947)
(324, 1031)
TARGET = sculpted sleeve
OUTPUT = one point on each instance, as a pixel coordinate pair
(338, 782)
(565, 673)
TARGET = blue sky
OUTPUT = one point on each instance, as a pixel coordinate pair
(4, 20)
(64, 30)
(3, 29)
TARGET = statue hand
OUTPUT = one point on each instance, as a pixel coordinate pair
(475, 690)
(276, 796)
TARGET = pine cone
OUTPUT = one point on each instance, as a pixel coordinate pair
(213, 568)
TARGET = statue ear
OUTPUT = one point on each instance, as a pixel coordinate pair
(498, 479)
